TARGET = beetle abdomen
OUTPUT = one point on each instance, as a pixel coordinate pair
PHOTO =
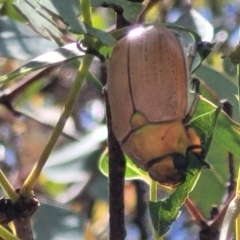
(150, 78)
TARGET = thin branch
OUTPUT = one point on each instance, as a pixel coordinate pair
(30, 182)
(197, 216)
(7, 187)
(24, 208)
(116, 182)
(5, 234)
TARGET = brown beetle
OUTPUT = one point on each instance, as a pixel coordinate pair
(150, 100)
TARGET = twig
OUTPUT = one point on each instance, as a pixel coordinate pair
(228, 109)
(29, 184)
(116, 182)
(141, 218)
(117, 167)
(7, 235)
(196, 215)
(7, 187)
(24, 208)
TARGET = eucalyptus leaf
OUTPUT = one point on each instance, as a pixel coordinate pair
(53, 221)
(132, 171)
(193, 20)
(164, 213)
(49, 59)
(131, 10)
(235, 55)
(68, 11)
(225, 86)
(40, 15)
(39, 18)
(226, 138)
(18, 41)
(104, 37)
(73, 157)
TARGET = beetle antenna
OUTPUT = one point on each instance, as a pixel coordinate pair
(82, 46)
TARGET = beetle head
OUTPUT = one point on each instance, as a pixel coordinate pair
(172, 165)
(160, 149)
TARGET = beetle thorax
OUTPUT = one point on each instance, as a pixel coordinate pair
(155, 140)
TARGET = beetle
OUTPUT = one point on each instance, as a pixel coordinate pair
(151, 100)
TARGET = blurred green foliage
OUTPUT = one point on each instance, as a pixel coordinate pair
(71, 187)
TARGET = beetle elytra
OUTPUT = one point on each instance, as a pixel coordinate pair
(150, 99)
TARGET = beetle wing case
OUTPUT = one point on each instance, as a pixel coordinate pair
(148, 95)
(147, 74)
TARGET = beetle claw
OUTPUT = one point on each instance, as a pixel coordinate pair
(82, 46)
(204, 163)
(196, 85)
(200, 156)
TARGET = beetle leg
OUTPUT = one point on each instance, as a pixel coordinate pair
(199, 156)
(196, 146)
(104, 91)
(83, 47)
(196, 85)
(193, 96)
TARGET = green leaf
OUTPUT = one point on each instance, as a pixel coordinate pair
(131, 10)
(49, 59)
(40, 15)
(39, 18)
(226, 131)
(19, 41)
(204, 121)
(66, 164)
(226, 138)
(196, 22)
(163, 213)
(9, 10)
(132, 171)
(77, 164)
(60, 224)
(235, 55)
(219, 82)
(83, 28)
(70, 15)
(67, 11)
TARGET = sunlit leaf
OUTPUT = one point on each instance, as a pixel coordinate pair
(226, 139)
(9, 10)
(49, 59)
(132, 171)
(164, 213)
